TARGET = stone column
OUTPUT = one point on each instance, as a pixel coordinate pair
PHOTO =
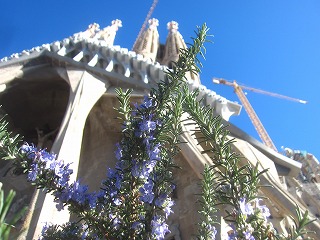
(85, 91)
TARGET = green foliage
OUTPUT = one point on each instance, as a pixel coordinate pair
(69, 231)
(233, 181)
(7, 224)
(298, 230)
(227, 182)
(206, 229)
(8, 144)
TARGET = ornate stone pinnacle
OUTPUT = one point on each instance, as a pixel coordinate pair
(153, 23)
(115, 24)
(93, 29)
(108, 33)
(173, 26)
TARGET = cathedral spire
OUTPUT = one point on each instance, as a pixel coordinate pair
(175, 42)
(148, 43)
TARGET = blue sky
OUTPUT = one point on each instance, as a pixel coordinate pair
(271, 45)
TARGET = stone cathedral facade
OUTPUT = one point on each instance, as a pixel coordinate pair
(61, 96)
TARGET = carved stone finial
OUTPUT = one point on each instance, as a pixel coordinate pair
(89, 33)
(153, 23)
(173, 26)
(108, 34)
(115, 24)
(92, 30)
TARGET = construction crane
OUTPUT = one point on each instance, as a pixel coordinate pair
(249, 109)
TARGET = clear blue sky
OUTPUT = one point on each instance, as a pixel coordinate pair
(272, 45)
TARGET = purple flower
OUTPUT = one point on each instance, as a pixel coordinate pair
(160, 200)
(248, 235)
(118, 181)
(118, 152)
(51, 164)
(263, 209)
(117, 202)
(146, 192)
(43, 160)
(63, 181)
(115, 220)
(232, 234)
(45, 228)
(33, 172)
(147, 102)
(61, 197)
(212, 232)
(137, 225)
(56, 166)
(245, 208)
(25, 148)
(63, 172)
(146, 125)
(81, 196)
(111, 173)
(92, 200)
(29, 150)
(148, 186)
(115, 177)
(112, 192)
(78, 192)
(45, 156)
(140, 170)
(145, 171)
(167, 210)
(84, 235)
(154, 153)
(159, 228)
(147, 139)
(120, 165)
(147, 197)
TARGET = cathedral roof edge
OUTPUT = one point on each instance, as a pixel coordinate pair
(100, 56)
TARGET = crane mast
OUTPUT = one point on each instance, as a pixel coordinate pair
(253, 117)
(249, 109)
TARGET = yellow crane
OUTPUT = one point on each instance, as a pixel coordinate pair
(249, 109)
